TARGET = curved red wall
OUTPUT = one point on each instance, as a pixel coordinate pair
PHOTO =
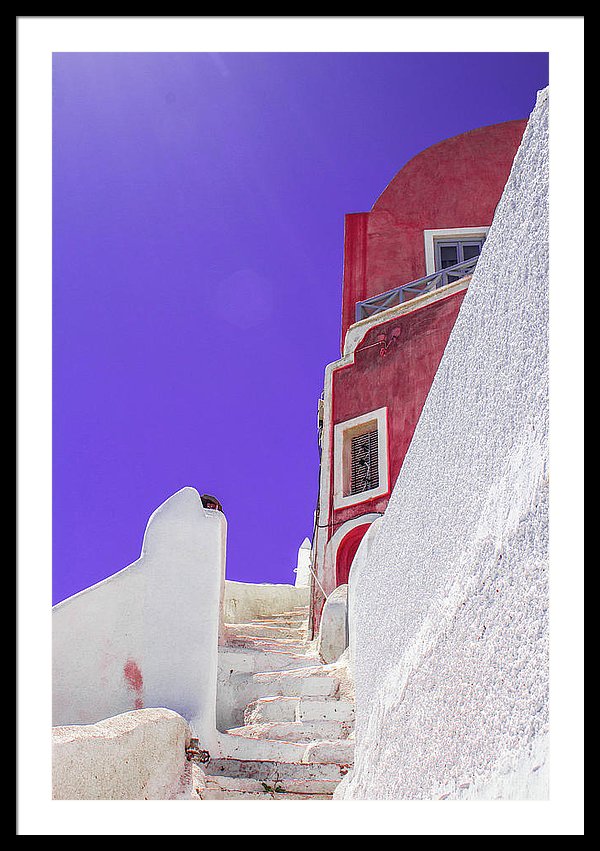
(346, 552)
(456, 183)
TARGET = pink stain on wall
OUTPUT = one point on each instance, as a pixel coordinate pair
(135, 681)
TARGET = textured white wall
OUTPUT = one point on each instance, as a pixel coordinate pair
(361, 558)
(134, 756)
(148, 636)
(450, 608)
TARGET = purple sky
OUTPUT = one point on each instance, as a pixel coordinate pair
(199, 205)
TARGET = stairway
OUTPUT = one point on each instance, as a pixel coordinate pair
(296, 739)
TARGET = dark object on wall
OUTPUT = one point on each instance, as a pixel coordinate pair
(209, 501)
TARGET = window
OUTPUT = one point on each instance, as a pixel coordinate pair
(360, 458)
(364, 474)
(449, 246)
(450, 252)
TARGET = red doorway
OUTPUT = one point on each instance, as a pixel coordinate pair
(346, 552)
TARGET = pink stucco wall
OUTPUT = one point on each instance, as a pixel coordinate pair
(456, 183)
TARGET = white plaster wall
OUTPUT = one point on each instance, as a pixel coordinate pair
(245, 601)
(138, 755)
(360, 559)
(303, 565)
(451, 606)
(148, 636)
(333, 629)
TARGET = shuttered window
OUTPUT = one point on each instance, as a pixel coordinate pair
(365, 467)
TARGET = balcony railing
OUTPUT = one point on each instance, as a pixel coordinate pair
(406, 292)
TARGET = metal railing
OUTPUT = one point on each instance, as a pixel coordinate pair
(406, 292)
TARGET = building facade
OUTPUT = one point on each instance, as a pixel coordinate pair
(407, 266)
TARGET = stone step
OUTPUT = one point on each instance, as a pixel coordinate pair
(281, 645)
(245, 660)
(279, 623)
(270, 770)
(340, 752)
(278, 784)
(309, 681)
(241, 748)
(220, 795)
(287, 708)
(295, 731)
(271, 709)
(295, 610)
(257, 630)
(325, 710)
(292, 615)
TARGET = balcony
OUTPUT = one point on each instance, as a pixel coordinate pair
(392, 298)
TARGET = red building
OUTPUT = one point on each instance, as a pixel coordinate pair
(407, 266)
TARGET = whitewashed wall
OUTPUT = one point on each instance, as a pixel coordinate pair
(134, 756)
(360, 559)
(148, 635)
(245, 601)
(302, 569)
(450, 608)
(332, 640)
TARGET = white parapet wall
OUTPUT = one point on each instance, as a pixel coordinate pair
(449, 605)
(138, 755)
(245, 601)
(332, 640)
(148, 635)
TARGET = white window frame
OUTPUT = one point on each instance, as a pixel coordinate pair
(342, 439)
(430, 236)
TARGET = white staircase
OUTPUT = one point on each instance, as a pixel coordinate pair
(296, 740)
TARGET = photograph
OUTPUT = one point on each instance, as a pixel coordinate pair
(296, 422)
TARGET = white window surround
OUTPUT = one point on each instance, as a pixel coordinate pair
(342, 435)
(447, 233)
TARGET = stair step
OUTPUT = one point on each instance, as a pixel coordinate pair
(242, 748)
(294, 708)
(220, 795)
(284, 645)
(244, 660)
(340, 751)
(292, 615)
(278, 708)
(309, 681)
(295, 731)
(271, 770)
(310, 709)
(278, 784)
(258, 630)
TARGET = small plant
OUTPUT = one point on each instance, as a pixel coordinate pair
(272, 790)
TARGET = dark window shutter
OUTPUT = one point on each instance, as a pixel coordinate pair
(365, 463)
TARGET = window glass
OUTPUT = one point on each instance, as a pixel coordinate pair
(471, 249)
(451, 252)
(448, 256)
